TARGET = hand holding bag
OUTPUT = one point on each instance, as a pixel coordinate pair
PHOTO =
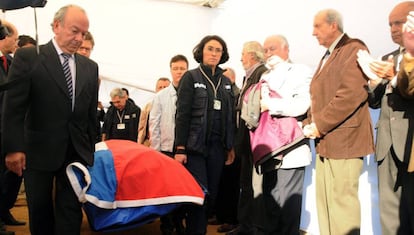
(273, 136)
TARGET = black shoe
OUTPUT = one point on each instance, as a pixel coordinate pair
(167, 233)
(235, 231)
(224, 228)
(3, 229)
(6, 233)
(2, 226)
(8, 219)
(213, 221)
(179, 229)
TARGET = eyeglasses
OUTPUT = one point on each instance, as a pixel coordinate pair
(86, 49)
(216, 50)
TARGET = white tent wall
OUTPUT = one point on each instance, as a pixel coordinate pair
(135, 40)
(244, 20)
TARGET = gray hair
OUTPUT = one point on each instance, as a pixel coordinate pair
(232, 73)
(283, 41)
(61, 13)
(117, 92)
(255, 48)
(333, 16)
(11, 29)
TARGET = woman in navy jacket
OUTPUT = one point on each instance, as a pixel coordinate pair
(204, 129)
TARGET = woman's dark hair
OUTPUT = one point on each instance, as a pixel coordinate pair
(198, 50)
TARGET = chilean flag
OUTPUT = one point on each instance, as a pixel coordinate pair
(130, 185)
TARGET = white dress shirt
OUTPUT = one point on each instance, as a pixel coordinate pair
(291, 82)
(162, 119)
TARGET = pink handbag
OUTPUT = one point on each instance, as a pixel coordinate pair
(273, 136)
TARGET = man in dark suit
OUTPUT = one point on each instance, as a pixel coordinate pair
(394, 134)
(250, 208)
(406, 73)
(9, 181)
(339, 119)
(50, 121)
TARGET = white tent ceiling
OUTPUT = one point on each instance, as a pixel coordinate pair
(135, 39)
(206, 3)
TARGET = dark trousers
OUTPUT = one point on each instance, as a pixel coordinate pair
(396, 195)
(9, 186)
(9, 189)
(174, 220)
(282, 191)
(251, 209)
(207, 170)
(407, 204)
(58, 214)
(228, 194)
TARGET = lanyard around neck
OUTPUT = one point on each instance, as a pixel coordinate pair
(120, 116)
(215, 88)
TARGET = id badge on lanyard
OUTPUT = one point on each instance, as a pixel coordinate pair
(120, 125)
(217, 104)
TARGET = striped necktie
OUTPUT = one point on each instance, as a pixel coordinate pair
(67, 73)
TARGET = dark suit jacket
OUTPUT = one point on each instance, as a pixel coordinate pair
(242, 138)
(395, 124)
(339, 104)
(3, 79)
(406, 88)
(38, 118)
(393, 53)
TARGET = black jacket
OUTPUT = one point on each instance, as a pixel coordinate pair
(242, 140)
(38, 117)
(195, 103)
(130, 119)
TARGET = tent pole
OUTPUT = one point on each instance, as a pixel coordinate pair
(126, 83)
(36, 31)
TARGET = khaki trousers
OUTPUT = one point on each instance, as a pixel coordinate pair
(337, 199)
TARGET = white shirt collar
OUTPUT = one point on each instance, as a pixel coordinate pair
(59, 51)
(333, 45)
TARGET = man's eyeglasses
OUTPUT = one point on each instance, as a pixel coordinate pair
(86, 49)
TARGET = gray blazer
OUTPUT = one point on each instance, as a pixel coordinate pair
(393, 127)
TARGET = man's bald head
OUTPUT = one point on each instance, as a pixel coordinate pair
(9, 44)
(397, 18)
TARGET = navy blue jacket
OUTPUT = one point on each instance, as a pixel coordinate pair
(195, 109)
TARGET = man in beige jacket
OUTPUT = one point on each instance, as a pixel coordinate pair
(143, 133)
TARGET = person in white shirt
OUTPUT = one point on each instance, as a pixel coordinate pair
(283, 187)
(162, 115)
(162, 129)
